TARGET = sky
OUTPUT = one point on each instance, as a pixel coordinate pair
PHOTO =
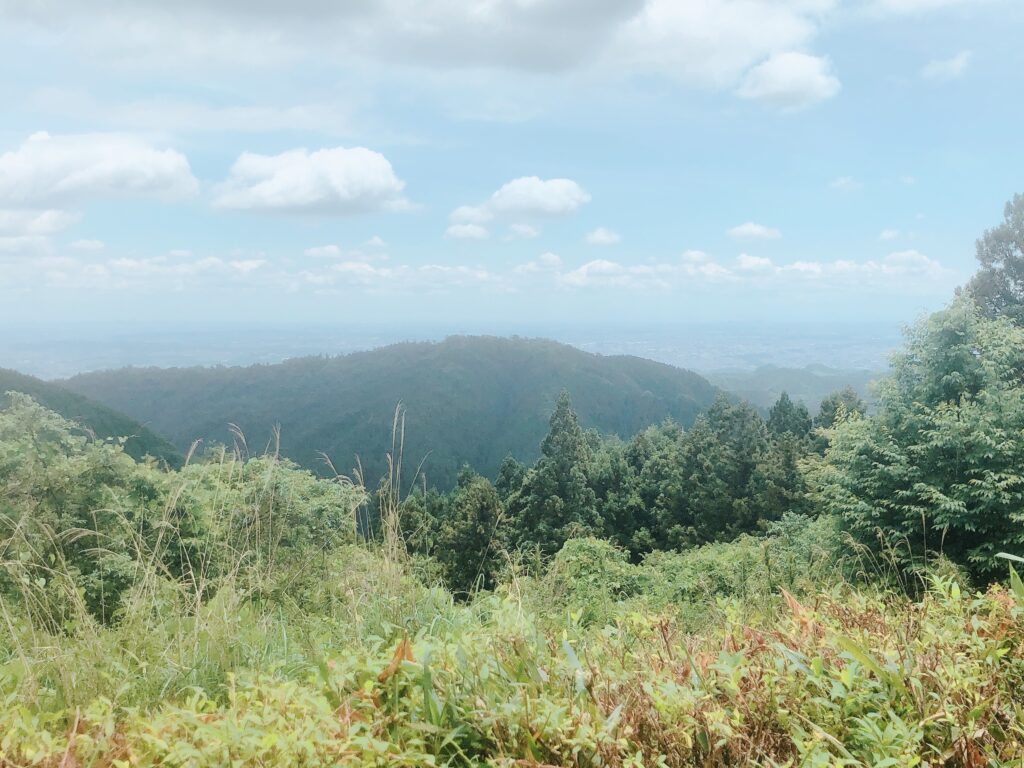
(499, 161)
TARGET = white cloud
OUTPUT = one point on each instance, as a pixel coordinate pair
(376, 242)
(471, 214)
(525, 197)
(523, 232)
(703, 42)
(753, 263)
(88, 245)
(753, 231)
(467, 232)
(790, 81)
(337, 181)
(545, 263)
(947, 69)
(245, 266)
(533, 196)
(324, 252)
(845, 183)
(602, 236)
(35, 222)
(180, 253)
(78, 167)
(888, 234)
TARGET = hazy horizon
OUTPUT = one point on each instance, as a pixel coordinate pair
(55, 351)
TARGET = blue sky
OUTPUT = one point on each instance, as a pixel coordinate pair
(500, 160)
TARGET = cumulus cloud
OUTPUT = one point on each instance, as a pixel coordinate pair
(790, 81)
(72, 168)
(888, 234)
(533, 196)
(602, 236)
(467, 232)
(753, 231)
(338, 181)
(947, 69)
(527, 196)
(88, 245)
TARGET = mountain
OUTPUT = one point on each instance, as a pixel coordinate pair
(98, 419)
(468, 399)
(810, 384)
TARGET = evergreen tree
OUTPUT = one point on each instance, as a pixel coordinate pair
(470, 547)
(556, 501)
(510, 479)
(787, 417)
(838, 405)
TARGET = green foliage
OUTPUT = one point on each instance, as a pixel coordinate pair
(280, 641)
(998, 286)
(939, 468)
(789, 418)
(468, 400)
(837, 406)
(470, 547)
(556, 502)
(80, 517)
(91, 417)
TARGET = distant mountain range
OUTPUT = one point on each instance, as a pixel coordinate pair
(810, 384)
(468, 399)
(93, 417)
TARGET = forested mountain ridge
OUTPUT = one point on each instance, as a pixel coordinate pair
(98, 419)
(467, 399)
(810, 385)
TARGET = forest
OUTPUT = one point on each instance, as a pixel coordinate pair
(716, 588)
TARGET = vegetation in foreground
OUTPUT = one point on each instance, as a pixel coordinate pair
(227, 613)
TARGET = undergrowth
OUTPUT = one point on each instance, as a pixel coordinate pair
(228, 614)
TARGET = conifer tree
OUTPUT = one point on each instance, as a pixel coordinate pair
(556, 501)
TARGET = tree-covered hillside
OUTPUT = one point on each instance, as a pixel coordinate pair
(810, 385)
(98, 419)
(467, 400)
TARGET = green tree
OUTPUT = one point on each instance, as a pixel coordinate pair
(839, 404)
(939, 468)
(510, 479)
(470, 543)
(703, 487)
(556, 501)
(998, 286)
(787, 417)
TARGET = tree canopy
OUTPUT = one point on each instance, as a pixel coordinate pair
(998, 286)
(940, 467)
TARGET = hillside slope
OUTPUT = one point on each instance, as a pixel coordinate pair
(810, 385)
(102, 421)
(468, 400)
